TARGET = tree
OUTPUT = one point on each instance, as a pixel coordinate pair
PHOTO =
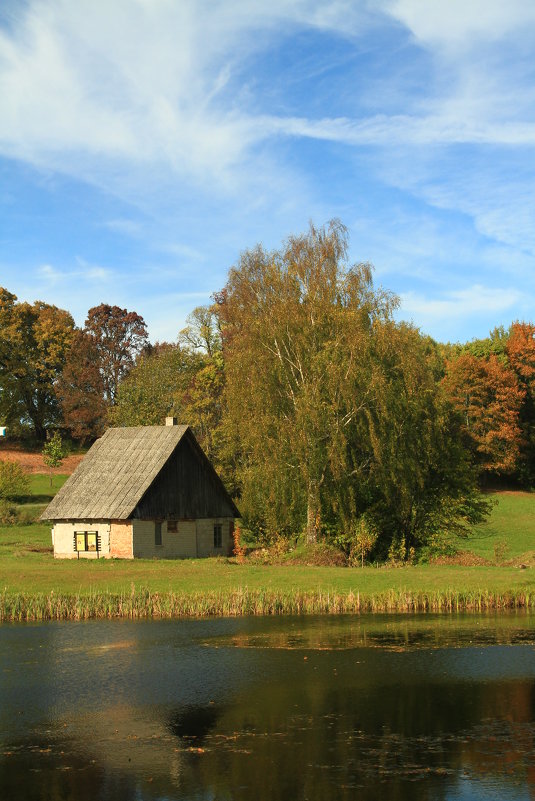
(14, 482)
(154, 388)
(80, 390)
(285, 318)
(202, 331)
(178, 381)
(335, 409)
(407, 466)
(493, 345)
(53, 453)
(487, 395)
(119, 336)
(521, 351)
(521, 355)
(202, 407)
(34, 342)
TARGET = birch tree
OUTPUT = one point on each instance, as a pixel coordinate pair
(295, 325)
(337, 411)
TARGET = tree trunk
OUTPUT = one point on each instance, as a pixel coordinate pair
(313, 511)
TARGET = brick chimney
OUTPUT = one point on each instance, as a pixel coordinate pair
(171, 421)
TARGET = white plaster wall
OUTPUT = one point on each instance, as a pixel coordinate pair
(63, 536)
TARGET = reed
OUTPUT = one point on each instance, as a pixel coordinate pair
(144, 603)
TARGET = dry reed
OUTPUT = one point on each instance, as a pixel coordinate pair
(144, 603)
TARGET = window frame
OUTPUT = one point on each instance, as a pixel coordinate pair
(87, 534)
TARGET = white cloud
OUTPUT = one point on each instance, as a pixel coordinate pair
(162, 103)
(472, 300)
(86, 85)
(87, 273)
(455, 23)
(381, 130)
(49, 273)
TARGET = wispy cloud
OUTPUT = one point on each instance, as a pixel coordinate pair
(443, 314)
(216, 125)
(86, 273)
(456, 24)
(49, 273)
(172, 88)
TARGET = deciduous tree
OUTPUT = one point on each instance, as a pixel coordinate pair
(202, 331)
(80, 390)
(335, 409)
(34, 341)
(120, 336)
(488, 397)
(154, 388)
(53, 452)
(521, 355)
(286, 318)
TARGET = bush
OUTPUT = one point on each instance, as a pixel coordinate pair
(8, 513)
(14, 482)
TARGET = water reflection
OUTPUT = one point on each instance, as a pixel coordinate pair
(411, 707)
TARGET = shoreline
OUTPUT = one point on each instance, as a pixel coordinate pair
(145, 604)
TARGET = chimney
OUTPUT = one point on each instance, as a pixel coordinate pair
(170, 421)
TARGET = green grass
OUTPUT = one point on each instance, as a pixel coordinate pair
(512, 522)
(33, 585)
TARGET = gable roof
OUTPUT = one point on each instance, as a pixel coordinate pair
(116, 472)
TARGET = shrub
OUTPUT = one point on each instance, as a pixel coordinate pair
(501, 551)
(364, 538)
(14, 482)
(8, 513)
(239, 550)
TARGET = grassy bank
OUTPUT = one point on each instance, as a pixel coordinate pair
(146, 603)
(34, 586)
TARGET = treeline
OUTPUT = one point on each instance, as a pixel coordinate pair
(322, 414)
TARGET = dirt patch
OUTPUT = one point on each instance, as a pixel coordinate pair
(464, 558)
(33, 462)
(319, 555)
(40, 549)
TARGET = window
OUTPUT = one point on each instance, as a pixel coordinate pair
(157, 533)
(86, 541)
(172, 526)
(218, 535)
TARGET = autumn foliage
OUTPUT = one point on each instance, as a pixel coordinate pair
(315, 405)
(488, 397)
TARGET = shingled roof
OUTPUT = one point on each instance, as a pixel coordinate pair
(115, 473)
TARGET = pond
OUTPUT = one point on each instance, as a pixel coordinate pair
(408, 707)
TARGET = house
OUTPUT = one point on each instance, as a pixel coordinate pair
(145, 491)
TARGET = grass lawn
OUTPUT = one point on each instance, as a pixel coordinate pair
(512, 523)
(27, 565)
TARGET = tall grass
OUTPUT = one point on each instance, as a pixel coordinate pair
(144, 603)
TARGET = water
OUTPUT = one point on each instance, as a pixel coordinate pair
(422, 707)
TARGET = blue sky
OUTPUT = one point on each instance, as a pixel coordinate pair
(145, 143)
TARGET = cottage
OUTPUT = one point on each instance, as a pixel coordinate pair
(146, 491)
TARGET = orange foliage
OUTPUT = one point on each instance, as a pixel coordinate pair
(239, 549)
(521, 350)
(489, 397)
